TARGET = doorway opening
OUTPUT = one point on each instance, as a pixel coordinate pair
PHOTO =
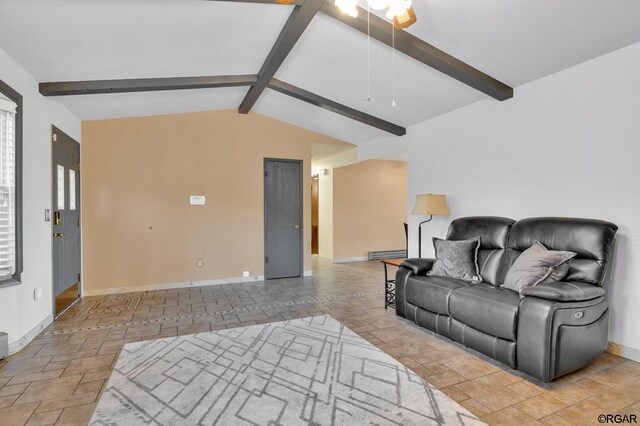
(315, 214)
(65, 221)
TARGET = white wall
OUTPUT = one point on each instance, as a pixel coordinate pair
(325, 214)
(19, 312)
(565, 145)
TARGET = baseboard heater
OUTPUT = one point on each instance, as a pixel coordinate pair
(4, 345)
(387, 254)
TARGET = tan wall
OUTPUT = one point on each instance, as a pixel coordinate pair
(138, 174)
(369, 208)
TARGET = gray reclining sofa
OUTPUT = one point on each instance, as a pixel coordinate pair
(551, 329)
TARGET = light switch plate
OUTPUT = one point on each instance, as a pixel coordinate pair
(197, 200)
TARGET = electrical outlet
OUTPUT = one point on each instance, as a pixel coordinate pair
(37, 293)
(245, 274)
(200, 262)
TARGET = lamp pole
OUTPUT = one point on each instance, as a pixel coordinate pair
(420, 235)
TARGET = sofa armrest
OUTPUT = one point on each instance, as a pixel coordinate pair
(564, 291)
(419, 266)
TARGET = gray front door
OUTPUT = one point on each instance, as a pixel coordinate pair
(65, 220)
(283, 218)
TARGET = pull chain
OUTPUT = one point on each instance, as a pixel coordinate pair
(368, 98)
(393, 64)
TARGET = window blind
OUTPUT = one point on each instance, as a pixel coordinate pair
(7, 188)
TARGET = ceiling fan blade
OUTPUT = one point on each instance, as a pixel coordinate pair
(405, 20)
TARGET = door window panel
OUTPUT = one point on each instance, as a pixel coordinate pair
(60, 187)
(72, 189)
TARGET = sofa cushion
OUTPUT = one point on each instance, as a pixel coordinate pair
(493, 233)
(486, 308)
(537, 265)
(456, 259)
(431, 293)
(591, 239)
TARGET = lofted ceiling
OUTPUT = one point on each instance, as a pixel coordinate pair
(515, 41)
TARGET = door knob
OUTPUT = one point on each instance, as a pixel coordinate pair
(296, 226)
(58, 234)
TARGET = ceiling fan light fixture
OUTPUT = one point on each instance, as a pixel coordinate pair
(405, 20)
(348, 7)
(378, 4)
(398, 8)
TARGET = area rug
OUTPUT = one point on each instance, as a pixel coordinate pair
(308, 371)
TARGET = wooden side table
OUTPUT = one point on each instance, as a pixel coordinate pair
(390, 284)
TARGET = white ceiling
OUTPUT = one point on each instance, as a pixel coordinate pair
(516, 41)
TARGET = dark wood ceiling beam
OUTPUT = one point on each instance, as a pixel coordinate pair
(93, 87)
(296, 24)
(422, 51)
(328, 104)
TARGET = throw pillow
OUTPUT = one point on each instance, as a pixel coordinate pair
(457, 259)
(537, 265)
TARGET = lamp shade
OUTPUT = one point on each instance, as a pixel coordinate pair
(431, 204)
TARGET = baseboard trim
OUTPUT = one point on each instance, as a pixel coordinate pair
(624, 351)
(350, 259)
(170, 286)
(16, 346)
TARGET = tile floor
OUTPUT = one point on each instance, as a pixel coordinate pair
(59, 376)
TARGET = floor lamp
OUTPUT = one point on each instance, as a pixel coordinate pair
(429, 205)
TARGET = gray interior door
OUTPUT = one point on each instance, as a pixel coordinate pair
(66, 219)
(283, 218)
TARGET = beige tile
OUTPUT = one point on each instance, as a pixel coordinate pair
(24, 366)
(13, 389)
(540, 406)
(87, 365)
(96, 375)
(18, 414)
(505, 378)
(44, 419)
(77, 416)
(509, 416)
(448, 378)
(69, 401)
(614, 400)
(556, 420)
(469, 367)
(475, 407)
(584, 412)
(525, 389)
(34, 377)
(49, 389)
(491, 394)
(6, 401)
(572, 393)
(89, 387)
(454, 393)
(429, 357)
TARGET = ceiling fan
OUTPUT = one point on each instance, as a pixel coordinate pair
(401, 11)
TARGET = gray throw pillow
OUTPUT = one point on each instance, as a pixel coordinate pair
(457, 259)
(537, 265)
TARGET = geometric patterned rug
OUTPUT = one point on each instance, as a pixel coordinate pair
(308, 371)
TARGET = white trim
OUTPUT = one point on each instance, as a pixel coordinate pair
(350, 259)
(24, 340)
(169, 286)
(624, 351)
(308, 273)
(8, 105)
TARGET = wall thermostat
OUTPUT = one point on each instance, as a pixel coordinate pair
(197, 200)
